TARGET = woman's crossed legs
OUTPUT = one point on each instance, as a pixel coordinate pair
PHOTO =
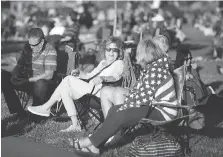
(69, 89)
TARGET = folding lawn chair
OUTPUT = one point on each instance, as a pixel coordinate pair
(92, 105)
(24, 98)
(185, 115)
(181, 123)
(89, 106)
(73, 63)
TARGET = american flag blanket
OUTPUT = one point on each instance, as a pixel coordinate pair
(155, 84)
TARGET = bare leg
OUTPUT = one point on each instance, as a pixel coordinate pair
(120, 95)
(106, 99)
(112, 96)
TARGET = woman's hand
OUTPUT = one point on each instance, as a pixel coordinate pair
(97, 80)
(75, 72)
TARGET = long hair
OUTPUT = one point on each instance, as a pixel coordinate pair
(147, 52)
(162, 42)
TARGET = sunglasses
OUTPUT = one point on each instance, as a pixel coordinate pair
(36, 44)
(112, 49)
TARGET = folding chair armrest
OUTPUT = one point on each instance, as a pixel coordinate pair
(164, 123)
(171, 105)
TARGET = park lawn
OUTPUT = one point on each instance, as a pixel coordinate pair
(209, 144)
(48, 132)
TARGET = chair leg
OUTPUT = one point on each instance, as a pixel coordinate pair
(80, 113)
(27, 100)
(187, 145)
(97, 125)
(24, 98)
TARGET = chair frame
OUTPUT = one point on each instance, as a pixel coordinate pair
(90, 109)
(24, 98)
(182, 119)
(86, 107)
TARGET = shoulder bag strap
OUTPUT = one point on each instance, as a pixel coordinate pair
(100, 71)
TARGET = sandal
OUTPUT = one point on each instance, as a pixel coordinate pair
(75, 143)
(81, 151)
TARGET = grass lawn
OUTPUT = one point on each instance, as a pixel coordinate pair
(208, 143)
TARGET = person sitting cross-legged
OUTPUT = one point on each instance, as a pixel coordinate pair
(72, 87)
(155, 82)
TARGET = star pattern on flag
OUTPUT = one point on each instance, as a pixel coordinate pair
(150, 78)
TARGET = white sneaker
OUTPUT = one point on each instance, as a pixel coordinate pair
(110, 139)
(211, 90)
(38, 110)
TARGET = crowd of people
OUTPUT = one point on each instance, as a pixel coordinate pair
(152, 33)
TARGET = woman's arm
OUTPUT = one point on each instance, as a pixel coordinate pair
(110, 74)
(96, 70)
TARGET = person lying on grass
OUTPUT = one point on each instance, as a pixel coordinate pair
(155, 82)
(74, 87)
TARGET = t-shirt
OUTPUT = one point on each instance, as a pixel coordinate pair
(46, 60)
(115, 70)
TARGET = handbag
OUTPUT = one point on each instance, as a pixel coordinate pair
(160, 144)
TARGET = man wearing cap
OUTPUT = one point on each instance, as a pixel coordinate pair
(33, 73)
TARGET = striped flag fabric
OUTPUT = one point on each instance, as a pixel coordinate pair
(166, 93)
(155, 83)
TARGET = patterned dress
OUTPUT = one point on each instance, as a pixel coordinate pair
(155, 83)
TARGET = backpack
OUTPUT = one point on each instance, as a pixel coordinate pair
(194, 91)
(160, 144)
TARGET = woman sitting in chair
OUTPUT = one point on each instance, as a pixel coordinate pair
(74, 87)
(155, 83)
(116, 95)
